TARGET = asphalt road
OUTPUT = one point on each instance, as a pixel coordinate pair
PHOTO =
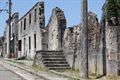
(5, 74)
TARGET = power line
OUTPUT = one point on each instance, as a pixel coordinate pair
(4, 9)
(1, 10)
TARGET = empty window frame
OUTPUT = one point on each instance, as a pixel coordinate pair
(24, 23)
(30, 18)
(35, 17)
(29, 42)
(34, 40)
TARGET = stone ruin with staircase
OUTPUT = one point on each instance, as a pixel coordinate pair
(64, 45)
(63, 50)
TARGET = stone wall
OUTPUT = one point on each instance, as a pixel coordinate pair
(14, 33)
(6, 42)
(72, 44)
(93, 42)
(13, 37)
(56, 27)
(112, 48)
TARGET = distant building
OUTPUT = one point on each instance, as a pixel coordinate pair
(13, 37)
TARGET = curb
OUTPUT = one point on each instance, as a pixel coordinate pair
(31, 72)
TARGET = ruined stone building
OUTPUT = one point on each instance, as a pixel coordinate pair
(72, 44)
(13, 37)
(57, 44)
(111, 34)
(32, 31)
(56, 28)
(34, 37)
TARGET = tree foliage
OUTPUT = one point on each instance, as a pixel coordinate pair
(113, 8)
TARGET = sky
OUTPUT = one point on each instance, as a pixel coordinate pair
(71, 8)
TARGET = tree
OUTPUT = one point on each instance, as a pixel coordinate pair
(113, 9)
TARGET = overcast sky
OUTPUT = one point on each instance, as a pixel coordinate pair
(71, 8)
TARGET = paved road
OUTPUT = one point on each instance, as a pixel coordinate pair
(5, 74)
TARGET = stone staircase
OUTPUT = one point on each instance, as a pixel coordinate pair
(54, 60)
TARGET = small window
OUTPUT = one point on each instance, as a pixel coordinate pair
(19, 45)
(21, 26)
(40, 11)
(41, 24)
(24, 23)
(35, 14)
(29, 42)
(30, 18)
(34, 40)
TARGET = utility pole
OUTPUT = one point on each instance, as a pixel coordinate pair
(84, 49)
(9, 23)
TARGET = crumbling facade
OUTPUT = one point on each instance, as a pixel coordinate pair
(72, 44)
(13, 37)
(29, 35)
(32, 31)
(56, 28)
(111, 41)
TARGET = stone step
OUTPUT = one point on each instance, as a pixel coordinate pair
(56, 65)
(53, 56)
(55, 62)
(54, 59)
(58, 68)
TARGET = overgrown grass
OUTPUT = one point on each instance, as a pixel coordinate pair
(38, 68)
(21, 63)
(112, 77)
(73, 79)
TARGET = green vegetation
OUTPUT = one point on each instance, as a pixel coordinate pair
(113, 9)
(73, 79)
(38, 68)
(21, 63)
(111, 77)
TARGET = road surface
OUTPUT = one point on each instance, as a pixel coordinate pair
(6, 74)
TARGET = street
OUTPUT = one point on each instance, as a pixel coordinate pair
(9, 71)
(6, 74)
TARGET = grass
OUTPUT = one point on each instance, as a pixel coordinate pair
(21, 63)
(38, 68)
(73, 72)
(73, 79)
(112, 77)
